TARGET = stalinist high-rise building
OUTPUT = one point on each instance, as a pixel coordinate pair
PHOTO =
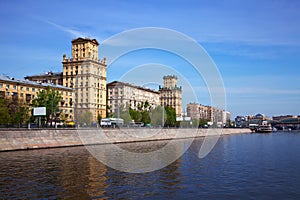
(86, 73)
(171, 94)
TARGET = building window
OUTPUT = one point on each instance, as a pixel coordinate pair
(33, 89)
(14, 87)
(1, 85)
(27, 89)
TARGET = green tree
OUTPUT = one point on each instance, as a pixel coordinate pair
(50, 99)
(145, 117)
(85, 118)
(108, 111)
(228, 123)
(202, 122)
(124, 114)
(156, 116)
(99, 118)
(21, 113)
(171, 116)
(4, 112)
(135, 115)
(195, 122)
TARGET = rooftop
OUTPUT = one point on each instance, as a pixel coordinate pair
(19, 81)
(82, 40)
(115, 83)
(50, 73)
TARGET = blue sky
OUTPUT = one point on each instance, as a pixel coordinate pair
(255, 44)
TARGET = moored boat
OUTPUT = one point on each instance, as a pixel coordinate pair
(264, 129)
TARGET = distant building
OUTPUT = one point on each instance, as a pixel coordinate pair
(283, 117)
(256, 119)
(197, 111)
(209, 113)
(193, 111)
(288, 122)
(87, 75)
(26, 91)
(49, 77)
(241, 121)
(215, 115)
(120, 94)
(171, 94)
(226, 117)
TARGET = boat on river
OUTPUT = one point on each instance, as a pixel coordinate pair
(264, 127)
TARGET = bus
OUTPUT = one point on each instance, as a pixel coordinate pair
(111, 122)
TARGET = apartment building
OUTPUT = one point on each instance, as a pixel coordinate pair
(120, 95)
(197, 111)
(209, 113)
(171, 94)
(86, 73)
(26, 91)
(48, 77)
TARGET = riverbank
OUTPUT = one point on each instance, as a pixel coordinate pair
(50, 138)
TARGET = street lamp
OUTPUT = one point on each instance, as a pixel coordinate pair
(52, 110)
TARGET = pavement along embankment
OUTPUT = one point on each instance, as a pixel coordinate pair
(51, 138)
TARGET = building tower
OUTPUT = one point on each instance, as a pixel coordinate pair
(87, 75)
(171, 94)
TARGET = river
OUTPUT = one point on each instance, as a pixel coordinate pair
(244, 166)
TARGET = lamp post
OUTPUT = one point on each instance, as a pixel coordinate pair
(163, 116)
(52, 110)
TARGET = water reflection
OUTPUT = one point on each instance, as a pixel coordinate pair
(139, 157)
(239, 167)
(74, 172)
(51, 173)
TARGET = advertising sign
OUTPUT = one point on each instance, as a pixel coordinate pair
(39, 111)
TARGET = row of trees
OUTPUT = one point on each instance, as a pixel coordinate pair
(158, 116)
(15, 112)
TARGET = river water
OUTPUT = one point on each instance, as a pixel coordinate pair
(245, 166)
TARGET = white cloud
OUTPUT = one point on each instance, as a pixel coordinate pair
(71, 31)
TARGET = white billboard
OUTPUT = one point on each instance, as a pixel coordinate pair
(187, 118)
(179, 119)
(39, 111)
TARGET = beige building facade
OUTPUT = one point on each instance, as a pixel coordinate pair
(86, 74)
(197, 111)
(121, 95)
(26, 91)
(171, 94)
(209, 113)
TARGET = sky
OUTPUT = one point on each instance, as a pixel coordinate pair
(254, 44)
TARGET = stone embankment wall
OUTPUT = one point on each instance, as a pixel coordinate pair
(34, 139)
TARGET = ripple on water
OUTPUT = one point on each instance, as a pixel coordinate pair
(247, 166)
